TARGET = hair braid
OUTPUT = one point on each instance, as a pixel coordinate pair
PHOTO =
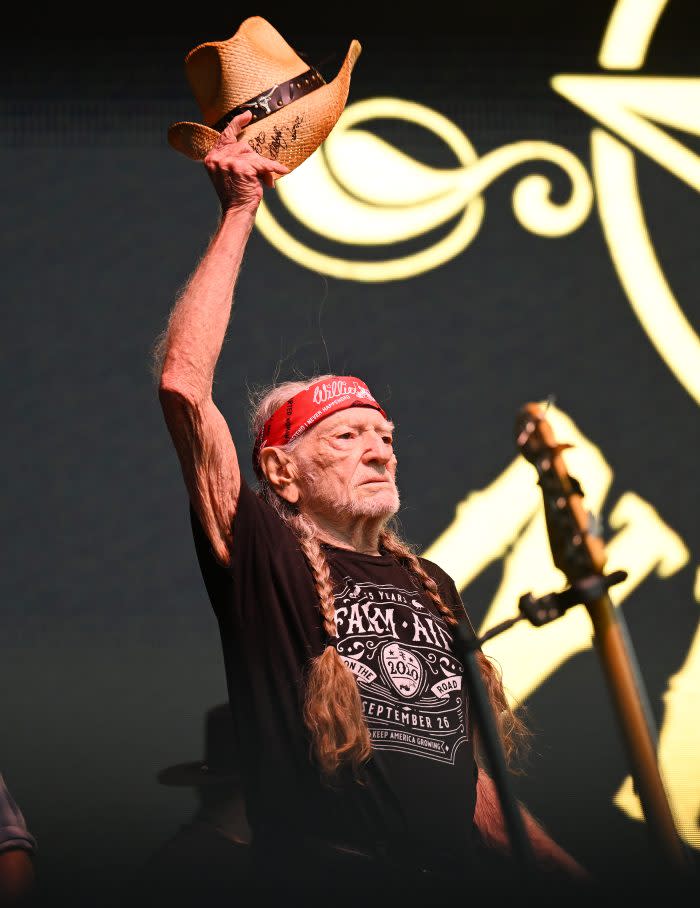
(319, 568)
(513, 731)
(332, 704)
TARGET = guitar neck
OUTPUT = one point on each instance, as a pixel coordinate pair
(578, 552)
(627, 693)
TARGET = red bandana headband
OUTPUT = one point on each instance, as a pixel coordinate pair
(306, 408)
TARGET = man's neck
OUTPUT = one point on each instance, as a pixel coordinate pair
(359, 535)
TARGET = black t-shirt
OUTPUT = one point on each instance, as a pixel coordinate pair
(417, 794)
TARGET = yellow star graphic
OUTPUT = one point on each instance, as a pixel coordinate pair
(634, 106)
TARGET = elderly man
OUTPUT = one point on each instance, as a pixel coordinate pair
(354, 731)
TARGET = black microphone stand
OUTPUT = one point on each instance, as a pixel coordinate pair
(538, 611)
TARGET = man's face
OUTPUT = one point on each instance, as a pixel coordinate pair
(347, 466)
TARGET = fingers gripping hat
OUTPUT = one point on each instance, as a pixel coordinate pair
(293, 108)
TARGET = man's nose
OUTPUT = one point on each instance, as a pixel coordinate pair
(378, 451)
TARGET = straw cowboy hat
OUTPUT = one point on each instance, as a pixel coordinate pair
(293, 108)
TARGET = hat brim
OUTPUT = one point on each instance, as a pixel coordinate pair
(289, 135)
(196, 773)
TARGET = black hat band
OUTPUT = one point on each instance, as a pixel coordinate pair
(275, 98)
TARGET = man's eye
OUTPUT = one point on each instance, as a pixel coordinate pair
(388, 440)
(345, 435)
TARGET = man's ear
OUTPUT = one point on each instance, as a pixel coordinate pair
(281, 473)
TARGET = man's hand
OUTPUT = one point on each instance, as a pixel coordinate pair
(237, 171)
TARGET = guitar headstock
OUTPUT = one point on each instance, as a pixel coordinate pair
(576, 549)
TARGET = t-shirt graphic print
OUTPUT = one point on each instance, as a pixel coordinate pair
(409, 681)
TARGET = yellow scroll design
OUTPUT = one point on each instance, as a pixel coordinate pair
(359, 190)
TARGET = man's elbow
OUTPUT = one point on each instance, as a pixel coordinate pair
(178, 390)
(180, 380)
(173, 395)
(181, 404)
(173, 390)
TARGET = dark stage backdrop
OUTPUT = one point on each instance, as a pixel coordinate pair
(405, 262)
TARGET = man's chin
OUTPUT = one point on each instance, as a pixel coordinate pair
(382, 504)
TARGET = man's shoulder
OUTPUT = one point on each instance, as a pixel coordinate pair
(255, 522)
(446, 585)
(436, 572)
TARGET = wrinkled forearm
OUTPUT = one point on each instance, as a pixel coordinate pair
(200, 318)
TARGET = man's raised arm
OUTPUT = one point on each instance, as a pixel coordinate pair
(196, 333)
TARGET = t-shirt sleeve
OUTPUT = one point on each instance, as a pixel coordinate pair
(256, 523)
(254, 520)
(455, 600)
(13, 829)
(448, 590)
(259, 537)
